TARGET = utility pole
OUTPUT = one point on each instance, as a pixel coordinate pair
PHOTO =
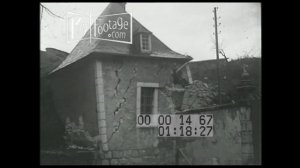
(217, 52)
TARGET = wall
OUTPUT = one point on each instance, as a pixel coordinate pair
(231, 143)
(74, 96)
(51, 126)
(128, 144)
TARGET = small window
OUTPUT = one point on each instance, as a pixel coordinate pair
(145, 42)
(147, 96)
(147, 104)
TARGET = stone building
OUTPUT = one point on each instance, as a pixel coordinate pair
(101, 86)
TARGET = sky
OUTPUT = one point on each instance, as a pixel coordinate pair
(186, 28)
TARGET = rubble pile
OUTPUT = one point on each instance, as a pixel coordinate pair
(198, 95)
(77, 138)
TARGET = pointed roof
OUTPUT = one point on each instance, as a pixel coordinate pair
(87, 46)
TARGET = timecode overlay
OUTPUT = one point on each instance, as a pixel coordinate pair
(178, 125)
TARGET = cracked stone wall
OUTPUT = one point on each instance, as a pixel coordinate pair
(127, 143)
(231, 143)
(74, 94)
(75, 101)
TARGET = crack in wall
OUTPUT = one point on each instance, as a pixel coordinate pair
(116, 129)
(130, 80)
(118, 79)
(123, 100)
(118, 82)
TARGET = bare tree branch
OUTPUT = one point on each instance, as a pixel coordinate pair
(48, 11)
(221, 51)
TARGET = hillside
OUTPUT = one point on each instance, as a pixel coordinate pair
(230, 75)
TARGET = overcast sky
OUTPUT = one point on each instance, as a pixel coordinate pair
(186, 28)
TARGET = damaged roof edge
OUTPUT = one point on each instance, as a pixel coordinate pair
(187, 58)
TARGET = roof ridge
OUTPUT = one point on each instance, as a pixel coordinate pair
(84, 48)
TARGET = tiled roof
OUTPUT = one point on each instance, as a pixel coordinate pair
(86, 46)
(50, 59)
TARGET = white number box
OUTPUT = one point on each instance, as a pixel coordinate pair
(179, 125)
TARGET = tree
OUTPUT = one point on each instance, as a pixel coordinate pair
(48, 11)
